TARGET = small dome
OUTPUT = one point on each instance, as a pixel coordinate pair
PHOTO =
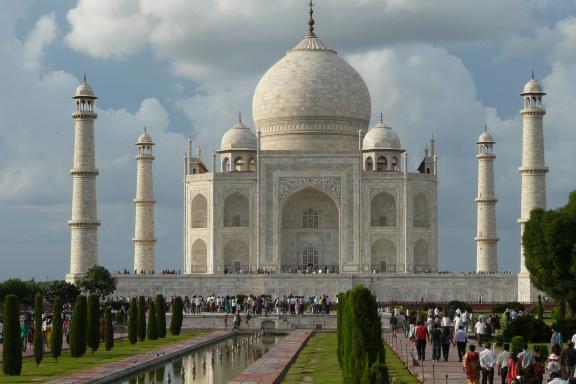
(84, 90)
(485, 137)
(381, 136)
(239, 138)
(145, 138)
(532, 87)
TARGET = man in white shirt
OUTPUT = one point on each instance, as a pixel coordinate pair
(461, 340)
(480, 330)
(487, 363)
(458, 322)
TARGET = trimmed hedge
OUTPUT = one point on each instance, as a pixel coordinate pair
(456, 304)
(152, 327)
(517, 344)
(12, 346)
(78, 328)
(38, 336)
(56, 340)
(93, 323)
(161, 316)
(133, 321)
(108, 328)
(531, 329)
(511, 305)
(177, 316)
(141, 323)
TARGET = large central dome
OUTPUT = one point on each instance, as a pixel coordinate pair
(311, 100)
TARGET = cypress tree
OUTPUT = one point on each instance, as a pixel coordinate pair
(38, 336)
(12, 346)
(540, 308)
(78, 328)
(176, 320)
(133, 321)
(141, 318)
(161, 316)
(93, 323)
(56, 340)
(108, 328)
(152, 328)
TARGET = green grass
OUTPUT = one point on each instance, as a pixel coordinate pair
(317, 363)
(51, 369)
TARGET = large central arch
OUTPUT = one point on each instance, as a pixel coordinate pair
(310, 226)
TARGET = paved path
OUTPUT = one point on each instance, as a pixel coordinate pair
(270, 368)
(114, 371)
(428, 371)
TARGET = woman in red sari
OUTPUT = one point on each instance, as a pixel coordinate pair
(471, 363)
(513, 370)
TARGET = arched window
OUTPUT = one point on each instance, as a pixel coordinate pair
(252, 165)
(369, 164)
(236, 211)
(199, 212)
(310, 218)
(310, 256)
(382, 163)
(421, 211)
(383, 210)
(395, 163)
(383, 256)
(225, 164)
(238, 164)
(421, 256)
(199, 257)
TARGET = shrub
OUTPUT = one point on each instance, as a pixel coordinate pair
(543, 350)
(133, 321)
(456, 304)
(152, 328)
(56, 340)
(566, 327)
(108, 328)
(498, 340)
(161, 316)
(517, 343)
(531, 329)
(12, 347)
(141, 318)
(511, 305)
(93, 323)
(78, 328)
(38, 336)
(176, 320)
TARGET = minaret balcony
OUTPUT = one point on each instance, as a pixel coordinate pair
(534, 170)
(84, 223)
(489, 240)
(84, 172)
(492, 200)
(84, 115)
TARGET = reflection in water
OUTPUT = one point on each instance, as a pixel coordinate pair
(215, 364)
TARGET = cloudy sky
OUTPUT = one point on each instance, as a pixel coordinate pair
(185, 67)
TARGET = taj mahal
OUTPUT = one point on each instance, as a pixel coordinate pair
(314, 200)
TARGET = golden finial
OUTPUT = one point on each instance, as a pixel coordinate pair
(311, 20)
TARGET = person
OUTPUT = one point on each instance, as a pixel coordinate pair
(513, 370)
(553, 362)
(421, 336)
(471, 365)
(436, 336)
(526, 360)
(226, 320)
(393, 323)
(24, 333)
(487, 364)
(237, 320)
(538, 364)
(480, 330)
(556, 338)
(502, 363)
(446, 341)
(1, 332)
(568, 360)
(556, 379)
(461, 340)
(465, 318)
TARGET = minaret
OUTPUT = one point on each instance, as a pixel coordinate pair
(84, 222)
(486, 235)
(144, 240)
(533, 172)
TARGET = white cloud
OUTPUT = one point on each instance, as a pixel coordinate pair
(40, 37)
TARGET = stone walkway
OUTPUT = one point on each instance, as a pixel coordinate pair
(273, 365)
(449, 372)
(114, 371)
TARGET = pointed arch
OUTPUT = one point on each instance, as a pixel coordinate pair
(199, 212)
(199, 257)
(236, 210)
(383, 210)
(421, 255)
(368, 164)
(383, 255)
(382, 163)
(421, 211)
(236, 256)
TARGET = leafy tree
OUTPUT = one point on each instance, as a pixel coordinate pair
(12, 346)
(24, 290)
(93, 323)
(98, 280)
(133, 321)
(56, 340)
(161, 316)
(78, 328)
(38, 336)
(141, 318)
(60, 288)
(176, 320)
(361, 346)
(550, 251)
(152, 328)
(531, 329)
(108, 328)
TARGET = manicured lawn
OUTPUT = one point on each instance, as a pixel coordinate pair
(317, 363)
(51, 369)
